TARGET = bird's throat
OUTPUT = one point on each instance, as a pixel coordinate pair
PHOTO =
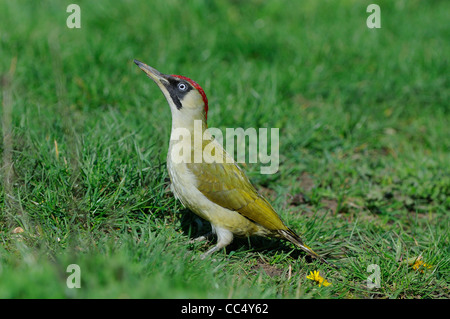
(187, 140)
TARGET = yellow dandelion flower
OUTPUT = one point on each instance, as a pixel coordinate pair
(315, 276)
(419, 264)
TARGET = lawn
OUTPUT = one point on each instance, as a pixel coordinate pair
(363, 117)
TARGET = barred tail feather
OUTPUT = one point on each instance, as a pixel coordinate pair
(289, 235)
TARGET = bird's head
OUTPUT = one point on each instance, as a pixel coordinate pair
(186, 98)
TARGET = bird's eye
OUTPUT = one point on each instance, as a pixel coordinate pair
(182, 86)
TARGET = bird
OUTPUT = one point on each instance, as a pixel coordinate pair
(217, 191)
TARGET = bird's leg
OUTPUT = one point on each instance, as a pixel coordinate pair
(224, 238)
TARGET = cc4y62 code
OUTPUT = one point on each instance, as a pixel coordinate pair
(246, 308)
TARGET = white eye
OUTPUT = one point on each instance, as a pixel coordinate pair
(182, 86)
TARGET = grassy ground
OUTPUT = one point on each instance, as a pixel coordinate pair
(364, 146)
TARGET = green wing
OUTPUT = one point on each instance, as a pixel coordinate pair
(226, 185)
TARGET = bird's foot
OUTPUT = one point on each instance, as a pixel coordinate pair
(211, 251)
(201, 238)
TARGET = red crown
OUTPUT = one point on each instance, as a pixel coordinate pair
(199, 89)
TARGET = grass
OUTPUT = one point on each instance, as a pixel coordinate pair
(364, 148)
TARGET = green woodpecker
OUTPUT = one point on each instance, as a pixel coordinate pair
(217, 191)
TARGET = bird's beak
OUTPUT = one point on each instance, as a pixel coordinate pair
(152, 73)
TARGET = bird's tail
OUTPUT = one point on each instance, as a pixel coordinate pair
(296, 240)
